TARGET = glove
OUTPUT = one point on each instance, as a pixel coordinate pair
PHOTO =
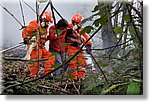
(26, 40)
(69, 32)
(75, 44)
(88, 48)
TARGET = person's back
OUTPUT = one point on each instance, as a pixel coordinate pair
(78, 64)
(55, 41)
(56, 36)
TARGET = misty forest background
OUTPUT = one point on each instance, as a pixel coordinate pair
(116, 28)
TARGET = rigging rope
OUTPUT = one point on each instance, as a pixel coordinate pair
(12, 15)
(29, 6)
(22, 12)
(44, 9)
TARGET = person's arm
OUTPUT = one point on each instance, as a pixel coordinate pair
(26, 38)
(87, 37)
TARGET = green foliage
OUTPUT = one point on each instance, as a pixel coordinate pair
(103, 92)
(97, 22)
(55, 65)
(87, 29)
(117, 39)
(32, 41)
(64, 44)
(69, 77)
(31, 35)
(133, 89)
(132, 30)
(101, 21)
(57, 32)
(118, 30)
(93, 84)
(126, 18)
(102, 64)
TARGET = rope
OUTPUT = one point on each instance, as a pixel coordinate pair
(29, 6)
(57, 12)
(11, 15)
(44, 9)
(22, 12)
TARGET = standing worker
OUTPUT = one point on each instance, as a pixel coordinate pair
(75, 40)
(77, 65)
(75, 25)
(29, 37)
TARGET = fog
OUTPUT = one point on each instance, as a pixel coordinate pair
(10, 28)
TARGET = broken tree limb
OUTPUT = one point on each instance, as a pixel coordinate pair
(22, 59)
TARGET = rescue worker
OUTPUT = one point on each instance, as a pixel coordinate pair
(76, 67)
(75, 40)
(57, 39)
(29, 37)
(75, 25)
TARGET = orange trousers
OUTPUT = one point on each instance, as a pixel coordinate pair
(78, 64)
(42, 53)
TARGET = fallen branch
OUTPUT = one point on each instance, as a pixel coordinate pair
(23, 59)
(57, 88)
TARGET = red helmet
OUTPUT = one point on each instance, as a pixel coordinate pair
(48, 16)
(77, 18)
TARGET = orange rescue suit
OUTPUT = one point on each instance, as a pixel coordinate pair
(30, 31)
(78, 64)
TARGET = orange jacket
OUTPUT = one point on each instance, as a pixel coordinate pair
(32, 29)
(86, 36)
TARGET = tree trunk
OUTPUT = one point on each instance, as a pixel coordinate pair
(107, 32)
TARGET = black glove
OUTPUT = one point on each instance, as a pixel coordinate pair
(69, 32)
(75, 44)
(26, 40)
(88, 48)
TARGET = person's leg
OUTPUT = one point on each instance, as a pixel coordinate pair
(81, 65)
(72, 66)
(65, 57)
(57, 61)
(33, 64)
(48, 63)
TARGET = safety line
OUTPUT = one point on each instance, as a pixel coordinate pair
(29, 6)
(22, 12)
(11, 14)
